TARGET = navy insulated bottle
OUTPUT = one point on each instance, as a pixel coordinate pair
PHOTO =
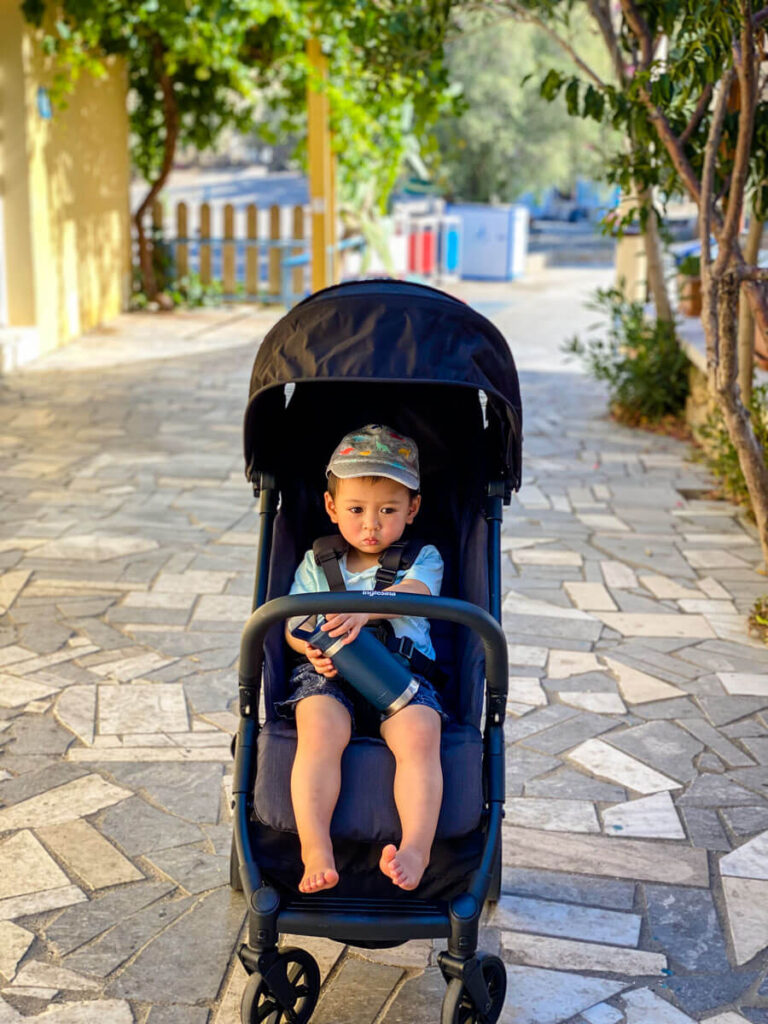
(365, 663)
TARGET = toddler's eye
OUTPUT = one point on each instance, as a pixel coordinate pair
(387, 511)
(355, 509)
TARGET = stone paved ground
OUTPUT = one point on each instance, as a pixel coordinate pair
(636, 837)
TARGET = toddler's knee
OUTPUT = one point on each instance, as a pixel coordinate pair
(418, 739)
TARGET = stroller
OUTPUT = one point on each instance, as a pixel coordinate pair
(432, 368)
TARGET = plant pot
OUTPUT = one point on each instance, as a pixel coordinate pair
(689, 295)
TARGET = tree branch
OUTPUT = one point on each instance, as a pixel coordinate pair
(601, 13)
(533, 19)
(745, 68)
(640, 30)
(701, 108)
(706, 204)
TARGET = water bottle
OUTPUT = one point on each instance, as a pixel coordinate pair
(365, 663)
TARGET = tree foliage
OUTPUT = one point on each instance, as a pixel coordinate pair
(197, 66)
(509, 139)
(692, 98)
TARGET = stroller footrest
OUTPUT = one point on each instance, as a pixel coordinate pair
(342, 918)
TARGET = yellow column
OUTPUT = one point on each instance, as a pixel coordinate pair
(322, 202)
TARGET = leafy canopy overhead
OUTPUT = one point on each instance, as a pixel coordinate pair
(226, 59)
(690, 45)
(508, 139)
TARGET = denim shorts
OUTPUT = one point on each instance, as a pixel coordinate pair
(305, 682)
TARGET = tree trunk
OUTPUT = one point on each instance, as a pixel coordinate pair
(171, 116)
(655, 269)
(723, 384)
(746, 320)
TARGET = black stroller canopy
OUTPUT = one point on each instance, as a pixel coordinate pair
(384, 331)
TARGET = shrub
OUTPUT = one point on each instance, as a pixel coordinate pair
(720, 454)
(640, 360)
(690, 265)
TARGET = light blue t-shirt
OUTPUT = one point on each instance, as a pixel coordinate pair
(428, 569)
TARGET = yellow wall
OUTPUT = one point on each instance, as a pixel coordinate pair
(65, 186)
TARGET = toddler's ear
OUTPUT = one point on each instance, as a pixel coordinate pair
(413, 509)
(330, 507)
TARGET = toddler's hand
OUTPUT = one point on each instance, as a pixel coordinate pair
(319, 662)
(345, 622)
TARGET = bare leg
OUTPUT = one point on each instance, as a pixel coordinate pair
(323, 727)
(413, 736)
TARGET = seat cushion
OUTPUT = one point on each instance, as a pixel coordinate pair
(366, 808)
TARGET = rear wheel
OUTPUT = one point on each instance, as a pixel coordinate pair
(458, 1005)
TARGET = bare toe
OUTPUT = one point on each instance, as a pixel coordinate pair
(406, 868)
(318, 873)
(388, 854)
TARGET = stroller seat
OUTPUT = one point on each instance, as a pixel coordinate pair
(366, 809)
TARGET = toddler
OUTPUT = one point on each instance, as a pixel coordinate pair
(372, 495)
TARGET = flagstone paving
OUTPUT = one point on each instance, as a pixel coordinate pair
(635, 875)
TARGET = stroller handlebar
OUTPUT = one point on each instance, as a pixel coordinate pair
(451, 609)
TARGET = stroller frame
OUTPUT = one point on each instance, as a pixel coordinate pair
(474, 978)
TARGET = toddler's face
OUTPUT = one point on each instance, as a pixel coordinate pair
(371, 516)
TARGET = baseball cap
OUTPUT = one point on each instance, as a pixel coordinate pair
(376, 450)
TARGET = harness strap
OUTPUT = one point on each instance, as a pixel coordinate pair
(328, 552)
(419, 662)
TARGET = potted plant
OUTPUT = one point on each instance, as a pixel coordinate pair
(689, 285)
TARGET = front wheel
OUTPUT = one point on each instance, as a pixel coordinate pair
(296, 976)
(458, 1005)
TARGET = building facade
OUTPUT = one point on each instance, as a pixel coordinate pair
(64, 200)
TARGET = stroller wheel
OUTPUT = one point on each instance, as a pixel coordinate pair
(458, 1005)
(296, 977)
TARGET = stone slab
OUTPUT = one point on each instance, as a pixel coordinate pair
(749, 861)
(564, 920)
(643, 624)
(39, 902)
(26, 867)
(80, 924)
(142, 707)
(639, 687)
(569, 955)
(650, 817)
(539, 996)
(685, 924)
(417, 999)
(137, 827)
(193, 869)
(564, 783)
(14, 943)
(606, 761)
(74, 799)
(190, 791)
(662, 745)
(641, 1006)
(553, 815)
(746, 900)
(83, 849)
(668, 863)
(597, 703)
(569, 888)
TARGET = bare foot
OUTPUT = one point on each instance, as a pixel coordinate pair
(319, 872)
(404, 866)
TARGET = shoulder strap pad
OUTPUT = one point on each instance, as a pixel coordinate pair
(328, 551)
(398, 556)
